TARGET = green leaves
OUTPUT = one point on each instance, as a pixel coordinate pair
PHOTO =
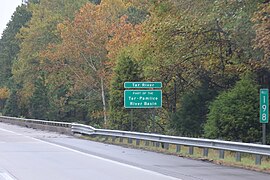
(9, 45)
(39, 101)
(191, 116)
(234, 114)
(126, 70)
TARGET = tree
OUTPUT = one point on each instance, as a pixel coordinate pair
(39, 32)
(11, 107)
(126, 70)
(9, 45)
(234, 113)
(4, 95)
(191, 116)
(83, 46)
(136, 15)
(173, 48)
(39, 101)
(124, 35)
(262, 27)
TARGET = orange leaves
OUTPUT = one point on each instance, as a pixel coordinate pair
(86, 35)
(82, 49)
(4, 93)
(95, 35)
(123, 34)
(262, 27)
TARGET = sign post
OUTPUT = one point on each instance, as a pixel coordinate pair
(264, 111)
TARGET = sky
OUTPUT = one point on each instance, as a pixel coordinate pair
(7, 8)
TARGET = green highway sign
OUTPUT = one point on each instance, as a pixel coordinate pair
(143, 85)
(143, 98)
(264, 105)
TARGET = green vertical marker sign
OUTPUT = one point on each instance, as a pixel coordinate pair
(264, 105)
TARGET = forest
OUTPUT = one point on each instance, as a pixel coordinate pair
(68, 60)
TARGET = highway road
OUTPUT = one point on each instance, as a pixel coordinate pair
(28, 154)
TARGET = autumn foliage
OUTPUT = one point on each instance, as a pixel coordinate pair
(75, 56)
(4, 93)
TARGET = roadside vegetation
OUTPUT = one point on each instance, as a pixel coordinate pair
(68, 61)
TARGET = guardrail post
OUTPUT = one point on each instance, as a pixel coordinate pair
(238, 156)
(121, 140)
(113, 139)
(258, 159)
(190, 150)
(138, 142)
(221, 154)
(130, 140)
(146, 143)
(205, 152)
(166, 146)
(178, 148)
(157, 144)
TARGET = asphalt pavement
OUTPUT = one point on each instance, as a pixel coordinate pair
(28, 154)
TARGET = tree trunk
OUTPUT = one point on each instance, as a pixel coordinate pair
(103, 101)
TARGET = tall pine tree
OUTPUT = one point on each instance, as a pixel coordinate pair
(9, 45)
(126, 70)
(39, 102)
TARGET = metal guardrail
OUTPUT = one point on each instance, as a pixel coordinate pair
(61, 127)
(35, 121)
(206, 144)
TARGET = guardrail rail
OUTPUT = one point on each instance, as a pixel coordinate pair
(61, 127)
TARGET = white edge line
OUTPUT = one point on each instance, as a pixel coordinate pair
(93, 156)
(6, 176)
